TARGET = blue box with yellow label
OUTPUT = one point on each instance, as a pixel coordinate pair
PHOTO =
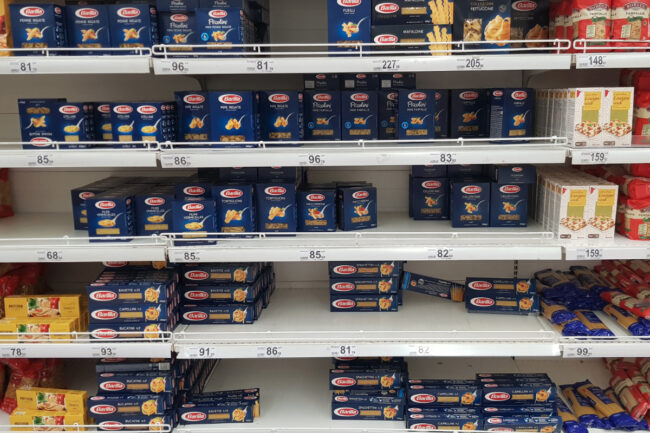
(194, 218)
(470, 113)
(470, 203)
(365, 269)
(429, 198)
(356, 207)
(216, 412)
(79, 197)
(417, 111)
(317, 210)
(364, 285)
(501, 296)
(88, 27)
(219, 28)
(348, 23)
(387, 114)
(233, 118)
(154, 211)
(178, 29)
(134, 383)
(103, 126)
(364, 303)
(136, 122)
(193, 116)
(443, 421)
(235, 208)
(128, 312)
(276, 207)
(512, 113)
(133, 26)
(441, 392)
(221, 313)
(39, 122)
(367, 408)
(176, 5)
(509, 205)
(542, 424)
(362, 378)
(362, 82)
(112, 213)
(76, 124)
(499, 394)
(37, 25)
(359, 115)
(322, 115)
(281, 116)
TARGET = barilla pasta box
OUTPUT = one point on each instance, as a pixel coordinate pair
(322, 115)
(400, 12)
(397, 81)
(217, 413)
(359, 115)
(154, 211)
(193, 116)
(39, 122)
(348, 23)
(470, 203)
(322, 81)
(550, 424)
(221, 313)
(37, 25)
(385, 38)
(429, 198)
(150, 121)
(276, 207)
(530, 410)
(435, 410)
(109, 331)
(317, 209)
(281, 116)
(504, 285)
(363, 303)
(125, 312)
(233, 117)
(366, 379)
(387, 109)
(88, 27)
(103, 126)
(76, 124)
(481, 20)
(469, 114)
(432, 286)
(123, 122)
(192, 189)
(356, 207)
(443, 421)
(512, 113)
(220, 273)
(416, 117)
(235, 208)
(513, 174)
(364, 269)
(429, 171)
(101, 406)
(530, 22)
(176, 5)
(220, 27)
(509, 205)
(150, 292)
(79, 211)
(178, 29)
(194, 217)
(220, 293)
(362, 82)
(501, 296)
(443, 393)
(441, 119)
(372, 408)
(134, 383)
(497, 394)
(114, 365)
(125, 421)
(111, 213)
(375, 286)
(133, 25)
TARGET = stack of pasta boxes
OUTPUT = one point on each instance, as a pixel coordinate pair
(225, 293)
(144, 392)
(517, 402)
(232, 406)
(368, 388)
(365, 286)
(46, 408)
(133, 302)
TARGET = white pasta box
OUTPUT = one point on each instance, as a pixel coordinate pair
(584, 114)
(602, 210)
(618, 107)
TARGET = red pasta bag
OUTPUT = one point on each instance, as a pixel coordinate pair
(641, 121)
(630, 21)
(592, 21)
(635, 306)
(636, 187)
(637, 219)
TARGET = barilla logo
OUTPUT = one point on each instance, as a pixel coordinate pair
(115, 264)
(104, 333)
(497, 396)
(193, 207)
(105, 204)
(112, 385)
(103, 409)
(517, 169)
(393, 96)
(361, 76)
(416, 416)
(40, 141)
(348, 3)
(360, 195)
(415, 409)
(123, 109)
(498, 93)
(111, 425)
(345, 270)
(468, 96)
(431, 184)
(510, 189)
(147, 109)
(194, 416)
(519, 95)
(195, 316)
(490, 409)
(197, 275)
(387, 8)
(218, 13)
(155, 201)
(103, 296)
(423, 426)
(87, 13)
(194, 99)
(32, 12)
(196, 295)
(194, 190)
(341, 398)
(98, 398)
(231, 193)
(494, 420)
(315, 197)
(346, 411)
(179, 18)
(417, 96)
(321, 77)
(524, 5)
(279, 98)
(471, 189)
(480, 285)
(344, 304)
(343, 287)
(423, 398)
(86, 195)
(104, 108)
(128, 12)
(68, 109)
(104, 314)
(482, 302)
(230, 99)
(360, 97)
(398, 76)
(344, 381)
(386, 39)
(275, 190)
(322, 97)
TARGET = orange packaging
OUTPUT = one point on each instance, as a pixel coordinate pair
(592, 20)
(630, 21)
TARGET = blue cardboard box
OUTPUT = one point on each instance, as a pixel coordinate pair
(220, 293)
(364, 269)
(103, 126)
(464, 170)
(267, 174)
(37, 25)
(441, 120)
(128, 312)
(322, 115)
(443, 421)
(281, 116)
(356, 207)
(235, 208)
(512, 113)
(238, 174)
(387, 114)
(154, 211)
(470, 113)
(363, 303)
(88, 27)
(193, 116)
(194, 217)
(417, 112)
(221, 27)
(322, 81)
(348, 23)
(76, 124)
(176, 5)
(232, 117)
(216, 413)
(39, 122)
(429, 198)
(111, 213)
(386, 37)
(399, 12)
(359, 115)
(509, 205)
(367, 408)
(317, 210)
(133, 25)
(364, 285)
(276, 207)
(440, 392)
(550, 424)
(178, 29)
(513, 174)
(397, 81)
(221, 313)
(501, 296)
(79, 211)
(362, 82)
(470, 203)
(429, 171)
(138, 121)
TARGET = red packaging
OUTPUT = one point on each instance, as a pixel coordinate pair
(636, 187)
(628, 272)
(592, 20)
(606, 276)
(628, 394)
(635, 306)
(640, 382)
(641, 81)
(565, 25)
(630, 21)
(553, 11)
(621, 278)
(638, 170)
(641, 120)
(640, 268)
(637, 217)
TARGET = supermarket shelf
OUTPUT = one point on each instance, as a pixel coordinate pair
(604, 155)
(50, 237)
(549, 150)
(619, 248)
(298, 324)
(396, 238)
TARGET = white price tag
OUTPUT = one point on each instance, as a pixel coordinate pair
(591, 61)
(571, 351)
(472, 63)
(175, 67)
(49, 256)
(593, 157)
(343, 351)
(13, 351)
(176, 161)
(185, 256)
(105, 352)
(23, 67)
(41, 160)
(386, 65)
(260, 66)
(590, 254)
(311, 159)
(441, 254)
(443, 158)
(313, 256)
(420, 350)
(206, 352)
(269, 351)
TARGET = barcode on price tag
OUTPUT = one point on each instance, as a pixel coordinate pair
(269, 351)
(185, 256)
(343, 350)
(313, 256)
(573, 351)
(13, 351)
(23, 67)
(49, 256)
(311, 159)
(443, 158)
(591, 157)
(591, 61)
(176, 161)
(261, 66)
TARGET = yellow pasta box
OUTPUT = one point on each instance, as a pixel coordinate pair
(5, 28)
(52, 399)
(46, 420)
(35, 328)
(43, 306)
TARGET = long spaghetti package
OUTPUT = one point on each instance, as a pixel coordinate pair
(570, 422)
(628, 394)
(627, 320)
(584, 411)
(603, 404)
(635, 306)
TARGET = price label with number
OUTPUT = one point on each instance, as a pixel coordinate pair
(13, 351)
(589, 157)
(311, 159)
(204, 352)
(41, 160)
(590, 254)
(176, 67)
(105, 352)
(269, 352)
(441, 254)
(386, 65)
(23, 67)
(420, 350)
(261, 66)
(176, 161)
(571, 351)
(185, 256)
(443, 158)
(313, 256)
(49, 256)
(591, 61)
(473, 63)
(343, 350)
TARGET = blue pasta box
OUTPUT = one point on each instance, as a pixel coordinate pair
(317, 209)
(102, 406)
(103, 126)
(123, 120)
(513, 174)
(221, 313)
(216, 413)
(509, 205)
(432, 286)
(530, 410)
(146, 292)
(440, 392)
(464, 170)
(417, 111)
(452, 410)
(363, 303)
(238, 174)
(356, 286)
(235, 208)
(399, 12)
(192, 189)
(268, 174)
(128, 311)
(470, 114)
(39, 122)
(220, 293)
(470, 203)
(366, 379)
(194, 217)
(111, 213)
(88, 27)
(501, 296)
(387, 36)
(281, 116)
(176, 5)
(550, 424)
(365, 269)
(387, 114)
(497, 394)
(348, 23)
(76, 124)
(359, 115)
(221, 273)
(133, 25)
(429, 198)
(322, 81)
(121, 421)
(494, 285)
(134, 383)
(443, 421)
(363, 82)
(441, 119)
(219, 28)
(149, 121)
(193, 116)
(322, 115)
(429, 171)
(79, 210)
(512, 113)
(154, 211)
(37, 25)
(276, 207)
(233, 117)
(481, 20)
(367, 408)
(397, 81)
(356, 207)
(178, 29)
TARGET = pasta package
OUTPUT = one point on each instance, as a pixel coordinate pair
(592, 20)
(530, 410)
(400, 12)
(221, 313)
(207, 273)
(366, 303)
(133, 25)
(221, 293)
(627, 320)
(107, 331)
(229, 412)
(595, 326)
(375, 286)
(367, 407)
(232, 117)
(37, 328)
(443, 421)
(435, 393)
(585, 412)
(570, 422)
(102, 406)
(498, 394)
(125, 422)
(550, 424)
(365, 269)
(46, 420)
(630, 20)
(628, 394)
(530, 22)
(628, 303)
(372, 379)
(387, 36)
(67, 305)
(433, 286)
(481, 20)
(88, 27)
(276, 207)
(37, 25)
(611, 409)
(135, 383)
(133, 311)
(51, 399)
(348, 23)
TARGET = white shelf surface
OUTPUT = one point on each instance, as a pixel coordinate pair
(298, 324)
(619, 248)
(70, 64)
(609, 155)
(12, 156)
(50, 237)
